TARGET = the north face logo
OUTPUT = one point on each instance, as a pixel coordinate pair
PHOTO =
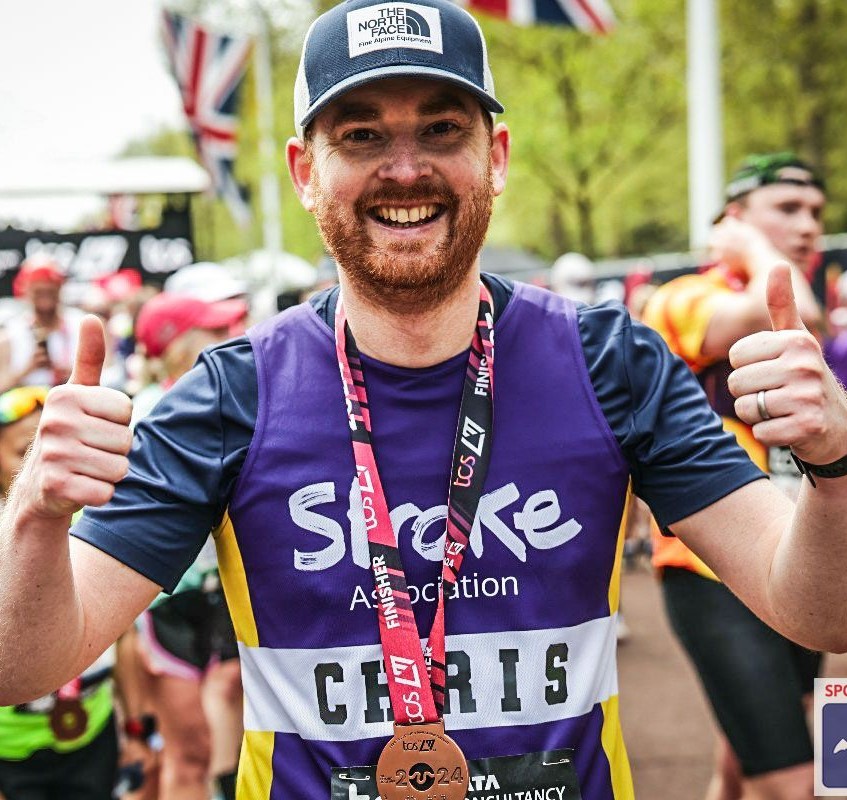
(394, 25)
(417, 24)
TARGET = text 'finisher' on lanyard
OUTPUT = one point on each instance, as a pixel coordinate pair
(416, 684)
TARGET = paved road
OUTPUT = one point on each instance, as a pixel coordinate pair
(667, 725)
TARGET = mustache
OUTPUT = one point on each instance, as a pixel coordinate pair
(422, 193)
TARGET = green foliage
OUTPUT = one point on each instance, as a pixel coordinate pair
(598, 130)
(599, 156)
(784, 63)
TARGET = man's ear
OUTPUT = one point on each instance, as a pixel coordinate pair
(300, 169)
(734, 209)
(500, 149)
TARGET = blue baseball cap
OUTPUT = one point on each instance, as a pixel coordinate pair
(360, 41)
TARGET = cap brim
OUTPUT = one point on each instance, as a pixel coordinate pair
(44, 274)
(398, 71)
(222, 314)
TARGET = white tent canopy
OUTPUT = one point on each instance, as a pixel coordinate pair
(138, 175)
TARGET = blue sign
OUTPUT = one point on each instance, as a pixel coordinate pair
(834, 745)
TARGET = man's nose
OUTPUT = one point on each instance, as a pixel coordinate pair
(809, 224)
(404, 163)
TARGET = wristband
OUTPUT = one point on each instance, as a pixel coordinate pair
(835, 469)
(141, 728)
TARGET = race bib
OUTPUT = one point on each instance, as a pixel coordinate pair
(549, 775)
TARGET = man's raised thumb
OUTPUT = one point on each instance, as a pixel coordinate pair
(781, 304)
(90, 352)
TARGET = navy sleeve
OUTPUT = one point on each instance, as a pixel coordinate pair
(185, 460)
(680, 457)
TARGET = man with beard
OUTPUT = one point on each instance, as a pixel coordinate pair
(329, 495)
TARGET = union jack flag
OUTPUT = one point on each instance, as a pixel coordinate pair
(208, 68)
(589, 16)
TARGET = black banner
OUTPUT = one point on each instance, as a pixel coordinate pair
(154, 252)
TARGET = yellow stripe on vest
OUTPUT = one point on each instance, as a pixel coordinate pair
(255, 766)
(234, 581)
(612, 739)
(615, 578)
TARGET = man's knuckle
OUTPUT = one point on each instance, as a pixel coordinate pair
(58, 393)
(732, 384)
(816, 427)
(805, 343)
(809, 372)
(119, 468)
(55, 483)
(102, 493)
(50, 453)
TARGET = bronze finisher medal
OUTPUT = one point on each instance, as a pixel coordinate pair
(421, 761)
(68, 719)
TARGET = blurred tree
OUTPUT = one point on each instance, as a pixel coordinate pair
(598, 129)
(784, 63)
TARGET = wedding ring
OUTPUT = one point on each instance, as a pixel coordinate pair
(760, 402)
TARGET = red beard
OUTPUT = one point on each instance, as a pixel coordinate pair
(404, 277)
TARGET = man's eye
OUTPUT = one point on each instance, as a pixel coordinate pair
(440, 128)
(360, 135)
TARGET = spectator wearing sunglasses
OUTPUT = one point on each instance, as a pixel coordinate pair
(20, 410)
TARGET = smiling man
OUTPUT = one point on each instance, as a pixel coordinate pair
(419, 532)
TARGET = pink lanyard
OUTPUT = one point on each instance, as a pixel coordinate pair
(414, 699)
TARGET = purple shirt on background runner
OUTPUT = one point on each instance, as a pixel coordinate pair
(835, 352)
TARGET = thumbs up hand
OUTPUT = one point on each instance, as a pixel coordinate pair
(90, 353)
(783, 387)
(79, 452)
(782, 307)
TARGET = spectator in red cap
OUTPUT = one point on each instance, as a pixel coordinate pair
(173, 329)
(37, 347)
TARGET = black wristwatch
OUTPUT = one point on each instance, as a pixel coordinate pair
(833, 470)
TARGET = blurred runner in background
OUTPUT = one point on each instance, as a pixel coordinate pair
(572, 275)
(755, 678)
(186, 639)
(63, 745)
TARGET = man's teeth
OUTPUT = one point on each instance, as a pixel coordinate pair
(403, 215)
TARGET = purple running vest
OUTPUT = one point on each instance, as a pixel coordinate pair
(531, 626)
